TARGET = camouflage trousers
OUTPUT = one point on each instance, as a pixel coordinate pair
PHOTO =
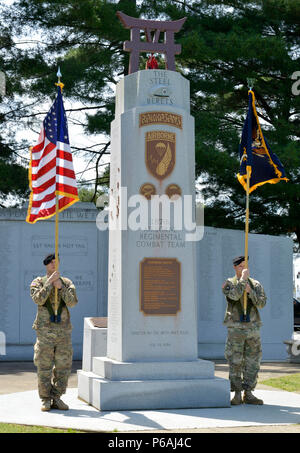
(243, 353)
(53, 358)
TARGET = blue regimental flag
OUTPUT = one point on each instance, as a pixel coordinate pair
(255, 153)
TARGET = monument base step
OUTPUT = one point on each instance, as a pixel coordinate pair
(108, 395)
(114, 370)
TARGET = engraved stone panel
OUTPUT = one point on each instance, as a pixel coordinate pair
(280, 299)
(23, 248)
(208, 291)
(9, 282)
(68, 245)
(270, 262)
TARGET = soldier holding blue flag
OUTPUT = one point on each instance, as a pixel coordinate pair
(244, 295)
(243, 346)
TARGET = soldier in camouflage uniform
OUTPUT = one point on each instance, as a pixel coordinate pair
(53, 347)
(243, 346)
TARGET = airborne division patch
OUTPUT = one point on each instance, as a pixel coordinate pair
(160, 153)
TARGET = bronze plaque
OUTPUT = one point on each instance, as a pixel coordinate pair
(173, 191)
(160, 286)
(172, 119)
(147, 190)
(160, 153)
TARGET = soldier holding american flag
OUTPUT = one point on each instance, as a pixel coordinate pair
(53, 189)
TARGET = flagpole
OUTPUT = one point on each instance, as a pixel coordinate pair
(246, 236)
(57, 220)
(56, 252)
(253, 169)
(250, 82)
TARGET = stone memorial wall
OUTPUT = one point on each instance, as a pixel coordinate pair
(270, 262)
(84, 259)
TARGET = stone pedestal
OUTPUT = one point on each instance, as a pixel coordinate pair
(94, 341)
(152, 351)
(152, 385)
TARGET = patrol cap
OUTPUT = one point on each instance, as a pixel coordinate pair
(238, 260)
(49, 258)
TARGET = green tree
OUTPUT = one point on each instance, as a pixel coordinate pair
(86, 40)
(91, 195)
(223, 43)
(13, 174)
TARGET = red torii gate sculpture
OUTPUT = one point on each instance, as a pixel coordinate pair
(135, 46)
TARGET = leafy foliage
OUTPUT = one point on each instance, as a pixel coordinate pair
(223, 44)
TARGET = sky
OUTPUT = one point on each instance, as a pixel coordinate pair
(77, 135)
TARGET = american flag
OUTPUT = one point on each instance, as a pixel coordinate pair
(51, 170)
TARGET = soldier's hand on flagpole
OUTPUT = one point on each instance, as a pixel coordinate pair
(57, 284)
(55, 279)
(245, 274)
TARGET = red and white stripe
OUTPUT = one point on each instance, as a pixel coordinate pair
(51, 171)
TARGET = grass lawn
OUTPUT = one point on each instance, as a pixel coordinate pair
(291, 382)
(13, 428)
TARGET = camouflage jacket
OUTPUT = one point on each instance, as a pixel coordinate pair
(234, 290)
(41, 291)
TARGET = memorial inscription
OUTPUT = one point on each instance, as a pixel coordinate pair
(160, 94)
(72, 245)
(277, 307)
(160, 286)
(161, 239)
(149, 118)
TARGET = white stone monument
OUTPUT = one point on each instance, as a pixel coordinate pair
(152, 341)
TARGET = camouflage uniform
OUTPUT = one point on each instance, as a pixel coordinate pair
(243, 346)
(53, 347)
